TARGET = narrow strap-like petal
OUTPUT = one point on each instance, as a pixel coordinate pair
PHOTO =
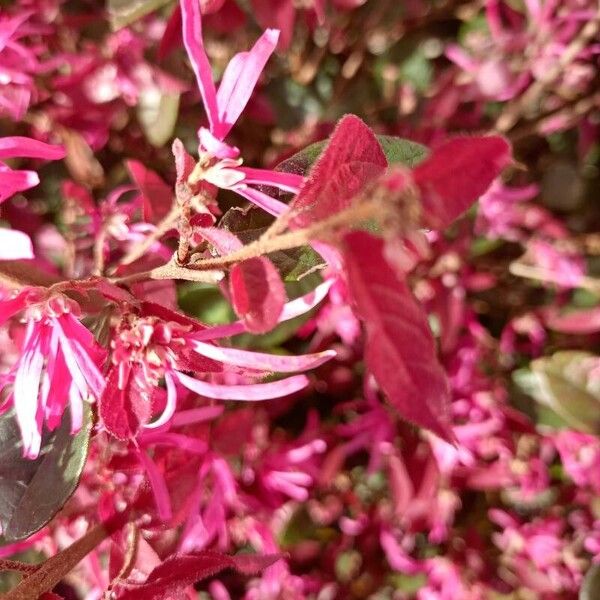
(27, 148)
(12, 182)
(26, 393)
(170, 405)
(240, 78)
(158, 485)
(262, 200)
(15, 245)
(197, 415)
(194, 45)
(261, 360)
(251, 391)
(289, 182)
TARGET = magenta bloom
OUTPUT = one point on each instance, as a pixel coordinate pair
(15, 244)
(147, 349)
(59, 364)
(219, 163)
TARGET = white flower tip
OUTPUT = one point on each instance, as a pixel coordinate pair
(272, 35)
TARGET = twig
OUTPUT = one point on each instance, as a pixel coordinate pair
(184, 204)
(265, 245)
(172, 270)
(99, 251)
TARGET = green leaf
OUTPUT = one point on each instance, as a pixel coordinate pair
(563, 383)
(205, 302)
(157, 113)
(33, 491)
(400, 151)
(397, 151)
(250, 223)
(124, 12)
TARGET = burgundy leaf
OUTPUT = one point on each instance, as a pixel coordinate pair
(177, 572)
(123, 411)
(352, 159)
(456, 173)
(157, 195)
(257, 293)
(400, 349)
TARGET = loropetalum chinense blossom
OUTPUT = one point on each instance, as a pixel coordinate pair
(421, 425)
(218, 162)
(59, 367)
(15, 244)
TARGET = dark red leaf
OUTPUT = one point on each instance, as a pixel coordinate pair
(124, 411)
(456, 173)
(157, 195)
(400, 349)
(257, 293)
(352, 159)
(180, 571)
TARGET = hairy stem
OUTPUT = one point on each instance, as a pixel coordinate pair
(348, 217)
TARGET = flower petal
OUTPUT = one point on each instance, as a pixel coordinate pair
(263, 361)
(272, 206)
(12, 182)
(240, 78)
(11, 147)
(194, 45)
(15, 245)
(251, 392)
(289, 182)
(170, 406)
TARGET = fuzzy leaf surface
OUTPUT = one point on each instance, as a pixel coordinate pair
(177, 572)
(352, 159)
(257, 293)
(456, 173)
(400, 349)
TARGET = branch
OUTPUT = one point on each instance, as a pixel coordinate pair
(268, 243)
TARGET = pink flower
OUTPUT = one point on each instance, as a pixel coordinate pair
(59, 364)
(219, 164)
(162, 344)
(538, 552)
(17, 65)
(15, 244)
(580, 455)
